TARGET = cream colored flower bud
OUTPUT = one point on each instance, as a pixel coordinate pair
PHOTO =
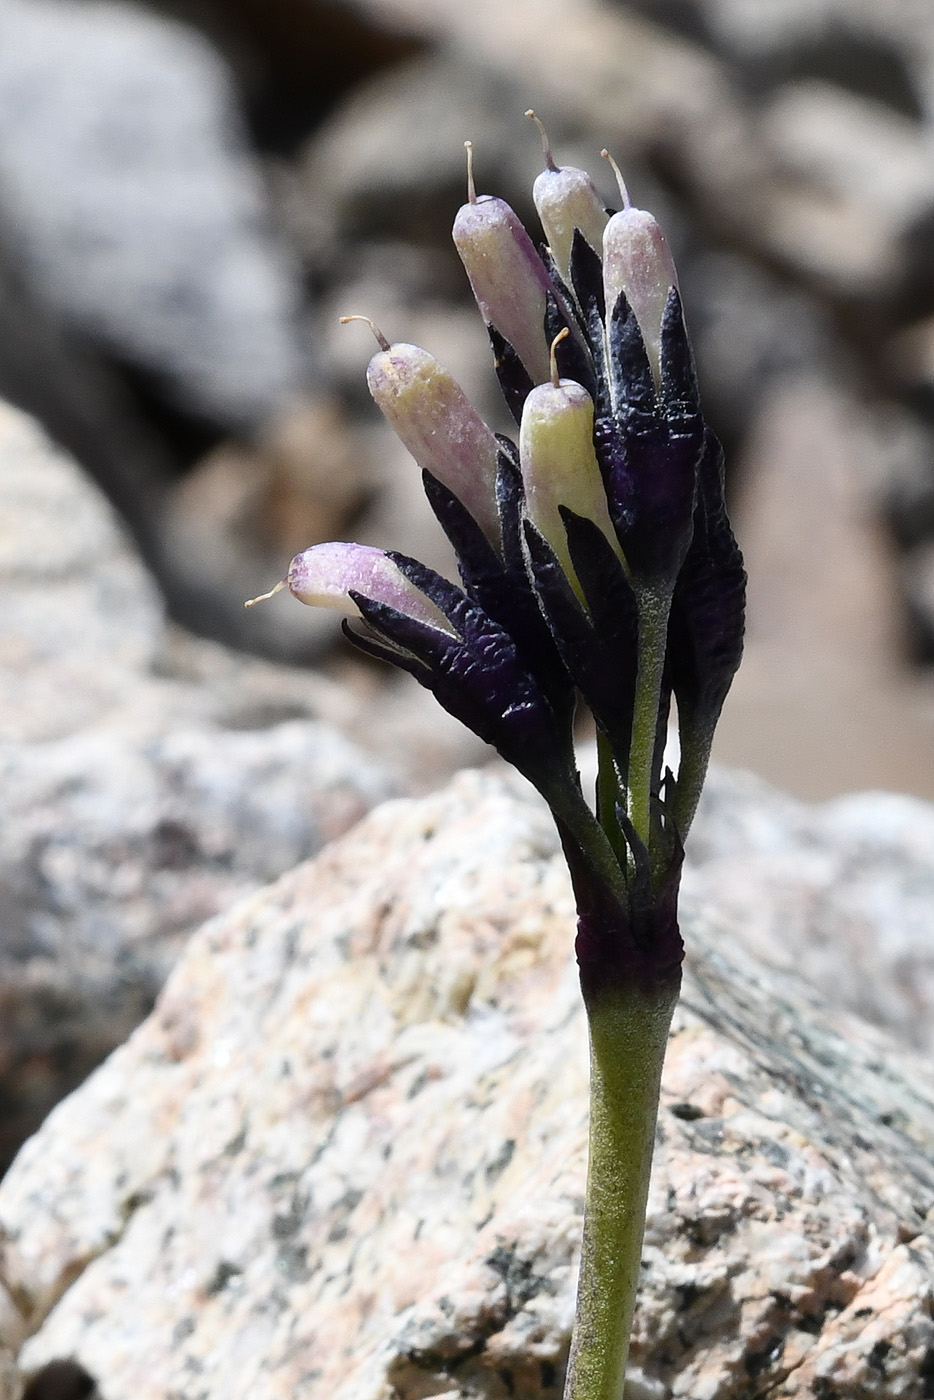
(637, 261)
(559, 466)
(566, 198)
(435, 420)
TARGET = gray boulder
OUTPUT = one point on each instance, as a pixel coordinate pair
(345, 1156)
(137, 211)
(841, 891)
(142, 791)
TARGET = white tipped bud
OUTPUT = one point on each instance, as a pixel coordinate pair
(435, 420)
(566, 198)
(637, 261)
(325, 575)
(507, 277)
(559, 466)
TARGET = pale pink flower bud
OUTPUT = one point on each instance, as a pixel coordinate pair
(325, 575)
(433, 417)
(508, 278)
(637, 261)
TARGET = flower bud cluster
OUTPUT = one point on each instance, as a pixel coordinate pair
(596, 559)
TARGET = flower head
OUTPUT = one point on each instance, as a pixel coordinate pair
(597, 563)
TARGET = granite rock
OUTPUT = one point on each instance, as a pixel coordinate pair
(81, 620)
(138, 209)
(841, 890)
(345, 1155)
(137, 799)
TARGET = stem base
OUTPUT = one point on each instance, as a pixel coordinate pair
(628, 1035)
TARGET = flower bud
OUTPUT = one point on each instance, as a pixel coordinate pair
(431, 414)
(559, 467)
(325, 575)
(637, 261)
(566, 198)
(508, 278)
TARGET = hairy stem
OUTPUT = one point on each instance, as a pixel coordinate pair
(567, 803)
(608, 796)
(653, 636)
(628, 1034)
(692, 770)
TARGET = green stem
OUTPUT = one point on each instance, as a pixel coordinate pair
(692, 770)
(628, 1035)
(653, 637)
(567, 802)
(608, 795)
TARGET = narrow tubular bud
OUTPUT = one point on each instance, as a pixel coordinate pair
(507, 277)
(559, 467)
(637, 261)
(431, 414)
(566, 198)
(325, 575)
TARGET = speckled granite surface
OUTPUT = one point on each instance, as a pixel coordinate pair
(345, 1155)
(137, 801)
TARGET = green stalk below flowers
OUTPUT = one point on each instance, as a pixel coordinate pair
(654, 607)
(628, 1035)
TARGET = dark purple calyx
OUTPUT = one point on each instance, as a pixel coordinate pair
(501, 587)
(638, 945)
(514, 379)
(705, 639)
(649, 444)
(597, 644)
(477, 675)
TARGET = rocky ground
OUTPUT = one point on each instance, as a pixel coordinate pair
(147, 780)
(345, 1156)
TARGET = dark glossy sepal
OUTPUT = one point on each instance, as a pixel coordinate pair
(500, 586)
(649, 446)
(514, 378)
(477, 675)
(705, 633)
(587, 281)
(598, 646)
